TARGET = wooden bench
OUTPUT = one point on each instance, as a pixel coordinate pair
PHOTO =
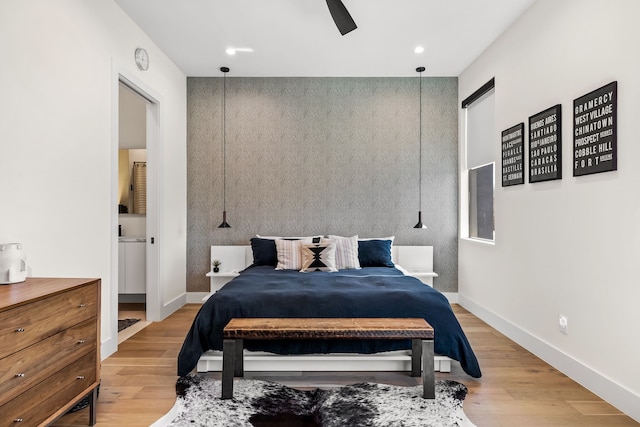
(418, 331)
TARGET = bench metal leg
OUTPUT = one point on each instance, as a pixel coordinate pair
(428, 374)
(228, 367)
(416, 357)
(239, 358)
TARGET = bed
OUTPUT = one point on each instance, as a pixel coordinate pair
(373, 290)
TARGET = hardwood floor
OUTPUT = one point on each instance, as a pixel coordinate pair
(516, 389)
(132, 311)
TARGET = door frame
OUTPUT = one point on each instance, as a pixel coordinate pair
(154, 195)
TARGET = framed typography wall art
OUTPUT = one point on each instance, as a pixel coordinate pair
(545, 145)
(594, 131)
(513, 155)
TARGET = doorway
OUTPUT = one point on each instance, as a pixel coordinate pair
(132, 210)
(137, 147)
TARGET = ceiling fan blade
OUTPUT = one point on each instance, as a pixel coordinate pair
(341, 16)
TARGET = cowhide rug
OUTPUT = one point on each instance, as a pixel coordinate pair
(260, 403)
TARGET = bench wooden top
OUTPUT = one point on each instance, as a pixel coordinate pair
(328, 328)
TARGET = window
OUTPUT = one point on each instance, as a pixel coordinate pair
(480, 162)
(481, 224)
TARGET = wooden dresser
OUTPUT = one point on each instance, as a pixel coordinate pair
(50, 349)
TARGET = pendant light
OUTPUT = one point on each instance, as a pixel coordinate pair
(224, 223)
(420, 224)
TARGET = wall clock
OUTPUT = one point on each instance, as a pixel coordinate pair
(142, 59)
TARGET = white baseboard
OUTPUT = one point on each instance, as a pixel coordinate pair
(196, 297)
(173, 305)
(620, 397)
(451, 296)
(108, 347)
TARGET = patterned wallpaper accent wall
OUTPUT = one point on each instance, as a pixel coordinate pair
(322, 156)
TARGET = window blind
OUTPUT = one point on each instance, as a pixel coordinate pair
(140, 187)
(480, 137)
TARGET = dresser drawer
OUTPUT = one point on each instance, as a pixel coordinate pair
(28, 367)
(25, 325)
(38, 403)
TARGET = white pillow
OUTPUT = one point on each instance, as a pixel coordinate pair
(346, 252)
(318, 256)
(307, 239)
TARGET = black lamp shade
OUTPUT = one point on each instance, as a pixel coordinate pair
(224, 223)
(419, 224)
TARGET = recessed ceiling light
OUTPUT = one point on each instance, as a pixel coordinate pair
(234, 50)
(419, 49)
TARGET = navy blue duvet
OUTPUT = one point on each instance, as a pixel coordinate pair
(368, 292)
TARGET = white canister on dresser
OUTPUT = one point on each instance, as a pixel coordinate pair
(13, 264)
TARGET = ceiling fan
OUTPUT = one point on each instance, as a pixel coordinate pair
(341, 16)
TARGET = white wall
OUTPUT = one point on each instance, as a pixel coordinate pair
(56, 140)
(569, 246)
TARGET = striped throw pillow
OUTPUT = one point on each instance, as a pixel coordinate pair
(346, 252)
(288, 252)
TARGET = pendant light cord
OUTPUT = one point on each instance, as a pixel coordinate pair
(224, 142)
(420, 156)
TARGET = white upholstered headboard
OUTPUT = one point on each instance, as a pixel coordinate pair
(412, 258)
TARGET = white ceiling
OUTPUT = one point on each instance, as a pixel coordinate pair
(299, 38)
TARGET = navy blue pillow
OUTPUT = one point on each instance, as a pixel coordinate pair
(375, 253)
(264, 252)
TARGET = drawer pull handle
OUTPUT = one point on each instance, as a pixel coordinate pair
(80, 377)
(18, 420)
(20, 330)
(82, 305)
(20, 375)
(81, 341)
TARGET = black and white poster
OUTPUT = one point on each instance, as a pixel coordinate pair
(594, 131)
(545, 145)
(513, 155)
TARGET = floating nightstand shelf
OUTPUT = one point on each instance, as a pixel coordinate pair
(233, 259)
